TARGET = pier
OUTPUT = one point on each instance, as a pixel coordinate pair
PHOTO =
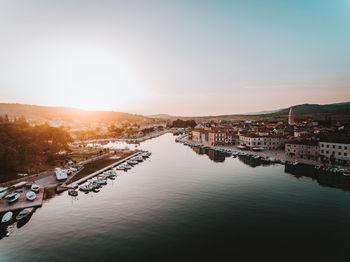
(84, 179)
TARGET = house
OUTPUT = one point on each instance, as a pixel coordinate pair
(336, 150)
(217, 137)
(303, 149)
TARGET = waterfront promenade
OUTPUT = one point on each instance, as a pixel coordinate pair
(277, 154)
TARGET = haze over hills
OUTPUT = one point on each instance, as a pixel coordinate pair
(335, 108)
(69, 114)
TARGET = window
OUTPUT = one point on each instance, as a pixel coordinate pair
(327, 146)
(339, 147)
(345, 147)
(322, 151)
(345, 154)
(327, 152)
(339, 154)
(322, 145)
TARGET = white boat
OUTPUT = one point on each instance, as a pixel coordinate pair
(102, 182)
(20, 184)
(2, 194)
(30, 195)
(35, 188)
(2, 189)
(139, 158)
(7, 217)
(132, 162)
(61, 174)
(127, 166)
(86, 188)
(120, 167)
(24, 213)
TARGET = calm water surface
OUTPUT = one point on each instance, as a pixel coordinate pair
(180, 205)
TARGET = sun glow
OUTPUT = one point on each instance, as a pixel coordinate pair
(93, 77)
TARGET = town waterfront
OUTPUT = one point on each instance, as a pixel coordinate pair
(180, 204)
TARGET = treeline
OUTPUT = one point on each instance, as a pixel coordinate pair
(23, 146)
(183, 123)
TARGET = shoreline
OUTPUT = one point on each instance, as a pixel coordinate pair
(279, 155)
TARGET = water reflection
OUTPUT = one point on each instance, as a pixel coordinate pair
(327, 180)
(213, 155)
(323, 179)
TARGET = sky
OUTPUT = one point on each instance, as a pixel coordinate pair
(186, 58)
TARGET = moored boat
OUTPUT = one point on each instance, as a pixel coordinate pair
(30, 195)
(19, 184)
(6, 217)
(86, 188)
(2, 189)
(60, 174)
(72, 192)
(11, 195)
(14, 198)
(35, 188)
(24, 213)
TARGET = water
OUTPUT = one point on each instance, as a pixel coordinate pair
(180, 205)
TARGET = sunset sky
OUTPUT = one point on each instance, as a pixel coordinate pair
(175, 57)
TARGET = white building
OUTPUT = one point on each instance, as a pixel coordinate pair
(338, 152)
(271, 142)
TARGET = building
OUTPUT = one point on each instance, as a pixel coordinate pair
(335, 151)
(270, 142)
(291, 117)
(217, 137)
(196, 135)
(304, 149)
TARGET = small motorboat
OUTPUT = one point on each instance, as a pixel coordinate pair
(86, 188)
(120, 167)
(60, 174)
(35, 188)
(3, 189)
(72, 192)
(2, 194)
(102, 181)
(14, 198)
(132, 162)
(139, 158)
(24, 213)
(11, 195)
(30, 195)
(127, 166)
(19, 184)
(7, 217)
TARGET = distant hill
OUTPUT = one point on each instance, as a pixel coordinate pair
(68, 114)
(338, 108)
(339, 111)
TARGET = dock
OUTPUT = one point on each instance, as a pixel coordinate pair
(84, 179)
(22, 201)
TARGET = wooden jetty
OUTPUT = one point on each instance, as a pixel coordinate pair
(82, 180)
(22, 201)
